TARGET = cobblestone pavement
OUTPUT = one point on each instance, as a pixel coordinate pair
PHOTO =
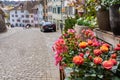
(26, 54)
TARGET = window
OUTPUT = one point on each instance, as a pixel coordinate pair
(22, 11)
(58, 10)
(16, 24)
(13, 20)
(31, 15)
(26, 21)
(22, 16)
(12, 15)
(27, 16)
(16, 15)
(18, 20)
(31, 21)
(15, 12)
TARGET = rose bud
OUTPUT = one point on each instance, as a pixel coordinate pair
(78, 60)
(90, 57)
(83, 44)
(104, 49)
(97, 60)
(97, 52)
(107, 64)
(81, 54)
(113, 61)
(114, 56)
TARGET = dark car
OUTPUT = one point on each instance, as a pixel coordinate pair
(48, 26)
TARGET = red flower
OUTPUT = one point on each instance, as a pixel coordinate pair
(97, 60)
(107, 64)
(114, 56)
(78, 60)
(83, 45)
(118, 45)
(97, 52)
(104, 49)
(107, 45)
(117, 48)
(90, 57)
(81, 54)
(113, 61)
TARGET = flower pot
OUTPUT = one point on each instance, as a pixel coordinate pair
(103, 19)
(115, 19)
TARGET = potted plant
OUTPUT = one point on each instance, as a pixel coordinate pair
(89, 59)
(114, 8)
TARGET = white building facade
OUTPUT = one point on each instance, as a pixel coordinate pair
(21, 18)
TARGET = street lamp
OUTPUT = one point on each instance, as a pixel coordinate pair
(61, 22)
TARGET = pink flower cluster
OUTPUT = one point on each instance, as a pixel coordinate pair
(71, 31)
(59, 47)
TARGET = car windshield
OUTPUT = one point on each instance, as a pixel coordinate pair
(47, 23)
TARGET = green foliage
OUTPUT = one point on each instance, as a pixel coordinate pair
(110, 2)
(89, 21)
(70, 23)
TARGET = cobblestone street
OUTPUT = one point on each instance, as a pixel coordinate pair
(26, 54)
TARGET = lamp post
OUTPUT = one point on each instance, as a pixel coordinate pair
(61, 22)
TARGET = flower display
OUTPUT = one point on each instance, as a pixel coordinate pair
(89, 57)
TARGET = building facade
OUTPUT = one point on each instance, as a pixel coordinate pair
(59, 10)
(54, 11)
(20, 16)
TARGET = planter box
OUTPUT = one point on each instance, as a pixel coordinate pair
(79, 28)
(107, 36)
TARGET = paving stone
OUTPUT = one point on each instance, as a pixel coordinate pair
(27, 55)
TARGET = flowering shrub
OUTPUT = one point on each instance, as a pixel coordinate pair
(90, 58)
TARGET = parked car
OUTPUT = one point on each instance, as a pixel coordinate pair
(48, 26)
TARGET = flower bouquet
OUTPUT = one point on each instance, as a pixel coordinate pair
(87, 56)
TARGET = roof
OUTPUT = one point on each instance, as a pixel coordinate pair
(2, 12)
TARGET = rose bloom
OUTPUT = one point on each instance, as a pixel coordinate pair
(114, 56)
(118, 45)
(113, 61)
(104, 49)
(107, 64)
(117, 48)
(97, 52)
(97, 60)
(90, 42)
(81, 54)
(83, 44)
(78, 60)
(107, 45)
(71, 31)
(90, 57)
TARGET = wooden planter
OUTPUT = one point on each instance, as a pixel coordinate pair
(115, 19)
(103, 20)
